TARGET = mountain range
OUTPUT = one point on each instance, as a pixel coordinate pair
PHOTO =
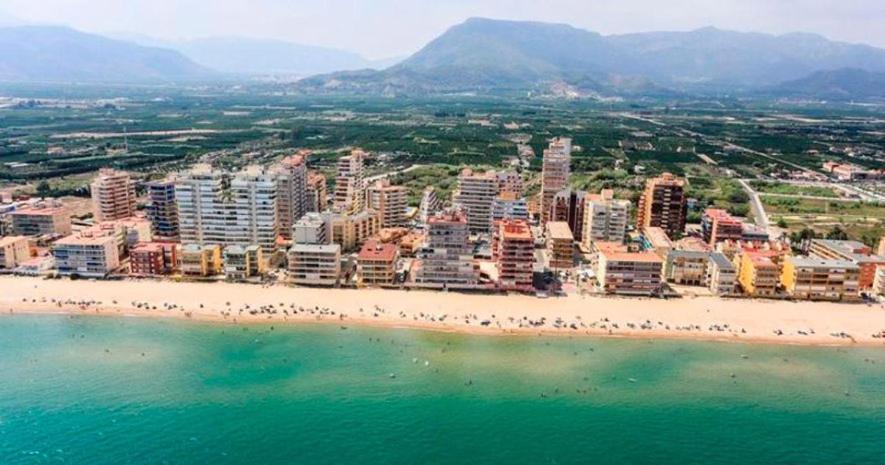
(477, 56)
(483, 55)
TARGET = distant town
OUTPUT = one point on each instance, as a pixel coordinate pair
(283, 223)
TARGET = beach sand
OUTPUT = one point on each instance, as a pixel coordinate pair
(701, 318)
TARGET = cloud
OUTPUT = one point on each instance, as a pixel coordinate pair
(379, 28)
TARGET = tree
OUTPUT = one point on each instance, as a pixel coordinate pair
(782, 223)
(837, 233)
(44, 189)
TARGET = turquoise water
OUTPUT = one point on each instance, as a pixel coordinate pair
(81, 390)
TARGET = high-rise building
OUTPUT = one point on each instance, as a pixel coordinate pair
(568, 207)
(291, 176)
(215, 208)
(316, 198)
(663, 204)
(113, 195)
(555, 172)
(389, 201)
(350, 189)
(431, 204)
(162, 211)
(513, 249)
(507, 206)
(446, 259)
(605, 218)
(475, 194)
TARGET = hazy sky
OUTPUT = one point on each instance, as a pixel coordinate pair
(385, 28)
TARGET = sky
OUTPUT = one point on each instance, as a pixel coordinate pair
(393, 28)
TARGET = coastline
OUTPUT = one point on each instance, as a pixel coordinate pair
(709, 318)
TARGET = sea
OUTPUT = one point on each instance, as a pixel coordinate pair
(115, 390)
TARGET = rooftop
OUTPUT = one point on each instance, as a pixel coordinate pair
(809, 262)
(559, 230)
(374, 250)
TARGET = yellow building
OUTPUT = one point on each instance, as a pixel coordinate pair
(820, 279)
(758, 275)
(201, 261)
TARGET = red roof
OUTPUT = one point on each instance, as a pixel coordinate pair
(374, 250)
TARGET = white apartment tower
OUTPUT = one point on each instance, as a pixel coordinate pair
(350, 189)
(605, 218)
(291, 192)
(475, 194)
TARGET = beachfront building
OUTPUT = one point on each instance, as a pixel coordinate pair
(162, 211)
(758, 275)
(879, 281)
(721, 275)
(555, 173)
(153, 258)
(663, 204)
(352, 230)
(291, 177)
(242, 263)
(881, 249)
(200, 261)
(316, 196)
(717, 225)
(430, 204)
(389, 201)
(315, 264)
(605, 218)
(620, 271)
(40, 219)
(113, 195)
(446, 258)
(13, 251)
(820, 279)
(217, 208)
(475, 194)
(569, 207)
(376, 263)
(350, 189)
(507, 206)
(513, 249)
(560, 246)
(686, 267)
(92, 253)
(856, 252)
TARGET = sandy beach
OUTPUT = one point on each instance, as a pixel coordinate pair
(701, 318)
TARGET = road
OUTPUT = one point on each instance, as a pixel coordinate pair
(756, 207)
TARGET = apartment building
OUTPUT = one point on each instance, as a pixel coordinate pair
(376, 263)
(686, 267)
(242, 263)
(605, 218)
(555, 173)
(391, 203)
(217, 208)
(42, 219)
(510, 181)
(313, 228)
(352, 230)
(113, 195)
(92, 253)
(316, 197)
(291, 174)
(513, 249)
(857, 252)
(475, 195)
(14, 250)
(620, 271)
(717, 225)
(350, 189)
(430, 205)
(153, 258)
(446, 258)
(315, 264)
(507, 206)
(820, 279)
(162, 211)
(721, 275)
(569, 207)
(560, 246)
(663, 204)
(758, 275)
(656, 240)
(201, 261)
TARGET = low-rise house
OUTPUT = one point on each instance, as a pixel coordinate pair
(200, 261)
